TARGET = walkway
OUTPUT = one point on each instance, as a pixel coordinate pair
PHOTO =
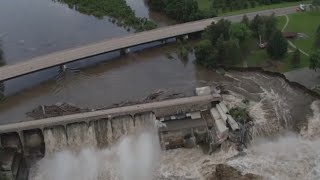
(62, 57)
(290, 42)
(159, 108)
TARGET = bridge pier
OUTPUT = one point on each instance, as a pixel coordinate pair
(125, 51)
(63, 68)
(164, 41)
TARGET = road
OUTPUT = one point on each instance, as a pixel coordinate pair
(62, 57)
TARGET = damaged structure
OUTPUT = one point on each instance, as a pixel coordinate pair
(210, 126)
(202, 119)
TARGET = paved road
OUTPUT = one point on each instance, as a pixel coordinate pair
(69, 55)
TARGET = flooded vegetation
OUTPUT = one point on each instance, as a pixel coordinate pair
(118, 10)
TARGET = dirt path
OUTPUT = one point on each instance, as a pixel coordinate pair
(290, 42)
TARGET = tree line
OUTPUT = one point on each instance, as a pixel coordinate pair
(228, 44)
(231, 5)
(121, 13)
(179, 10)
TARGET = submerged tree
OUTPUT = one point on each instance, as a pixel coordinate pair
(206, 54)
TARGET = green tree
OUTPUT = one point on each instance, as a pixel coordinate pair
(263, 26)
(205, 54)
(317, 41)
(277, 46)
(156, 5)
(239, 31)
(316, 2)
(215, 30)
(295, 61)
(255, 25)
(231, 54)
(270, 23)
(245, 20)
(315, 60)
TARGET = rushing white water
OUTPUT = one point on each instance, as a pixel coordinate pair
(134, 158)
(137, 155)
(132, 154)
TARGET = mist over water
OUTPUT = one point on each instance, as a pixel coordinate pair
(134, 158)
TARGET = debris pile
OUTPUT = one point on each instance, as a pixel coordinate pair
(59, 109)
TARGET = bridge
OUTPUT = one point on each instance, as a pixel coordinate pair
(119, 43)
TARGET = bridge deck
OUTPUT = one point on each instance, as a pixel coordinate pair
(28, 66)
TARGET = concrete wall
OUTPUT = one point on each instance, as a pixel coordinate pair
(28, 137)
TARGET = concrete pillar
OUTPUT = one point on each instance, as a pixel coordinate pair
(63, 67)
(185, 37)
(125, 51)
(164, 41)
(33, 143)
(11, 141)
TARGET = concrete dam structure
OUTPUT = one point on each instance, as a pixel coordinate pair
(101, 129)
(183, 122)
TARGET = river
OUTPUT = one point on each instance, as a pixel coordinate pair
(36, 27)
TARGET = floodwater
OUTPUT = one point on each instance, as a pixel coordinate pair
(38, 27)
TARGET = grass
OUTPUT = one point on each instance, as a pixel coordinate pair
(263, 7)
(305, 23)
(205, 5)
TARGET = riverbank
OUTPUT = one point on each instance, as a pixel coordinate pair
(118, 10)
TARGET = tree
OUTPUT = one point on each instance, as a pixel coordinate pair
(255, 25)
(232, 52)
(215, 30)
(270, 23)
(277, 46)
(263, 26)
(315, 60)
(240, 31)
(317, 41)
(205, 54)
(295, 61)
(245, 20)
(316, 2)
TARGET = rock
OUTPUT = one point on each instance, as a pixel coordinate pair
(226, 172)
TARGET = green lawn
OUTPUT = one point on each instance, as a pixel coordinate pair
(260, 58)
(205, 5)
(305, 23)
(281, 21)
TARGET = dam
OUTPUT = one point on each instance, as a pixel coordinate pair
(182, 122)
